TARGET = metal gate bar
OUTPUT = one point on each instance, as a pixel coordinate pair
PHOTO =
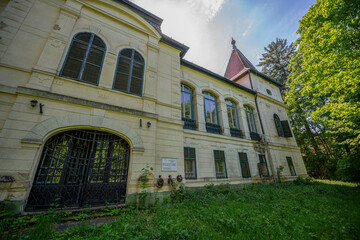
(81, 167)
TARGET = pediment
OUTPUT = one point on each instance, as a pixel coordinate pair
(116, 11)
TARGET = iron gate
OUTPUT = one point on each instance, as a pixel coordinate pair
(79, 168)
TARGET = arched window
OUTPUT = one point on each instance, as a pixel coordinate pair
(210, 108)
(232, 114)
(187, 112)
(129, 72)
(233, 119)
(278, 126)
(211, 115)
(250, 119)
(85, 58)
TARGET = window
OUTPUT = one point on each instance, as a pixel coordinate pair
(220, 165)
(190, 163)
(85, 58)
(250, 119)
(244, 164)
(286, 127)
(251, 123)
(291, 166)
(282, 127)
(232, 114)
(211, 117)
(129, 72)
(278, 126)
(187, 112)
(233, 119)
(268, 92)
(262, 166)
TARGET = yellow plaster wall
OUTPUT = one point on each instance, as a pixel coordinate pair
(37, 37)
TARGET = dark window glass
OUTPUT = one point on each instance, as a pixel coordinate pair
(85, 58)
(98, 42)
(121, 82)
(244, 164)
(286, 127)
(278, 125)
(129, 72)
(291, 166)
(190, 163)
(250, 119)
(262, 165)
(220, 165)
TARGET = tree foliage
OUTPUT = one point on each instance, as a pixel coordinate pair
(324, 94)
(275, 61)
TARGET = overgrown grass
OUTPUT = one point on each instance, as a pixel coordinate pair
(292, 210)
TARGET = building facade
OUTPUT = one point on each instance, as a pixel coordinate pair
(92, 92)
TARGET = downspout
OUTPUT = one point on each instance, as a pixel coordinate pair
(263, 132)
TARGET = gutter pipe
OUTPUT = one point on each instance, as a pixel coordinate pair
(263, 132)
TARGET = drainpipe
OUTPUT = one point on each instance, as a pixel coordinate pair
(263, 132)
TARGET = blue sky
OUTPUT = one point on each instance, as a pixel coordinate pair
(206, 26)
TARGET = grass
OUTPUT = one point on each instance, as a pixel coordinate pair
(292, 210)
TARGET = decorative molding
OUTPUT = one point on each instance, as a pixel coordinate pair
(69, 99)
(40, 132)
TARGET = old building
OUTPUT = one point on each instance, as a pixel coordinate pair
(92, 92)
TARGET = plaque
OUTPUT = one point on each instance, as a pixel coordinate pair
(169, 165)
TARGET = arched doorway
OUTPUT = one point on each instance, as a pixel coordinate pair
(79, 168)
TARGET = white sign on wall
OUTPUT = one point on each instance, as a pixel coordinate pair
(169, 165)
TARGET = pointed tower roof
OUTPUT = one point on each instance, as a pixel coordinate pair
(238, 63)
(238, 66)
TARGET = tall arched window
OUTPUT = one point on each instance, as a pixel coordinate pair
(250, 119)
(211, 115)
(278, 126)
(232, 114)
(251, 123)
(233, 119)
(129, 72)
(187, 113)
(85, 58)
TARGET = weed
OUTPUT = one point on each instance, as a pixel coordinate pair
(303, 209)
(279, 171)
(146, 172)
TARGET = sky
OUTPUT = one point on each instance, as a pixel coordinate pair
(207, 26)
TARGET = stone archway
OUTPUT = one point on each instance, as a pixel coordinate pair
(79, 168)
(51, 126)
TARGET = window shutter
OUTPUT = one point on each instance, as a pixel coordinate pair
(286, 127)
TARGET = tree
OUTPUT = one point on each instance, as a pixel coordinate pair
(325, 79)
(275, 61)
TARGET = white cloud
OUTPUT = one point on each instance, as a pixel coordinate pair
(208, 7)
(191, 22)
(247, 30)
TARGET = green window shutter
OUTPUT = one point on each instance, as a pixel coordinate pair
(291, 166)
(286, 127)
(220, 164)
(244, 164)
(190, 163)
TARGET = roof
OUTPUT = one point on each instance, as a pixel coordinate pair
(214, 75)
(172, 42)
(156, 22)
(238, 66)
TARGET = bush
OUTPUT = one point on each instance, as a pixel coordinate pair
(302, 181)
